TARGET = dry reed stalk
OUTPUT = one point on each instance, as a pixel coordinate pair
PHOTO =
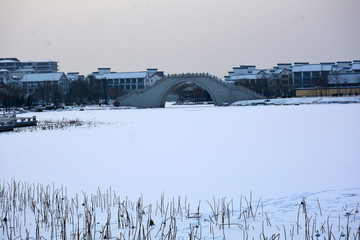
(284, 231)
(248, 207)
(179, 205)
(246, 226)
(348, 229)
(262, 230)
(240, 206)
(267, 220)
(297, 221)
(228, 213)
(313, 228)
(232, 207)
(251, 208)
(257, 206)
(319, 206)
(223, 231)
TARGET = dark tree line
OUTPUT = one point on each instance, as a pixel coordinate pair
(10, 97)
(47, 94)
(83, 91)
(277, 87)
(90, 91)
(15, 97)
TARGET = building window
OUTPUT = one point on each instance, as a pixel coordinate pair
(297, 79)
(127, 80)
(133, 81)
(111, 81)
(140, 83)
(133, 87)
(307, 79)
(122, 81)
(315, 75)
(116, 81)
(128, 87)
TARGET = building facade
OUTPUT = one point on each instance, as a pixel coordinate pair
(285, 78)
(20, 68)
(30, 83)
(269, 82)
(118, 83)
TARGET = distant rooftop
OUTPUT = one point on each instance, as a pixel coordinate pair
(39, 77)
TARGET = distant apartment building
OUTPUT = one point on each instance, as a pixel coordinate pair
(345, 74)
(30, 83)
(269, 82)
(307, 75)
(17, 69)
(35, 79)
(14, 65)
(75, 76)
(119, 83)
(285, 78)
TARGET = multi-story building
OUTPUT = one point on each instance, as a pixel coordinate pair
(307, 75)
(345, 74)
(284, 78)
(270, 82)
(74, 76)
(44, 66)
(121, 82)
(31, 82)
(14, 65)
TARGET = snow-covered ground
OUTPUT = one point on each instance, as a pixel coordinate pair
(280, 153)
(300, 100)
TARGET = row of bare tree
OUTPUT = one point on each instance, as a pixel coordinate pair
(80, 92)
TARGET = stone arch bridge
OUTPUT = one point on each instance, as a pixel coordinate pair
(220, 92)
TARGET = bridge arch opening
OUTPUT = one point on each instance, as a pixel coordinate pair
(187, 92)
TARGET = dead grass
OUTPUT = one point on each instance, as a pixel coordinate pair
(63, 124)
(36, 211)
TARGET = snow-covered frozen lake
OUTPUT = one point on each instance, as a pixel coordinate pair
(199, 151)
(280, 153)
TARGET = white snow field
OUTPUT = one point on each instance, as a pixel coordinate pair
(279, 153)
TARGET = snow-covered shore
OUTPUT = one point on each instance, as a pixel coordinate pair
(298, 101)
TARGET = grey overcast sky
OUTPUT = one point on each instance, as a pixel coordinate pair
(179, 35)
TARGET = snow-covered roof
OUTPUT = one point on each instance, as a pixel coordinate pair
(311, 68)
(3, 70)
(45, 60)
(355, 66)
(120, 75)
(25, 70)
(73, 77)
(7, 61)
(245, 77)
(282, 65)
(279, 70)
(39, 77)
(256, 71)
